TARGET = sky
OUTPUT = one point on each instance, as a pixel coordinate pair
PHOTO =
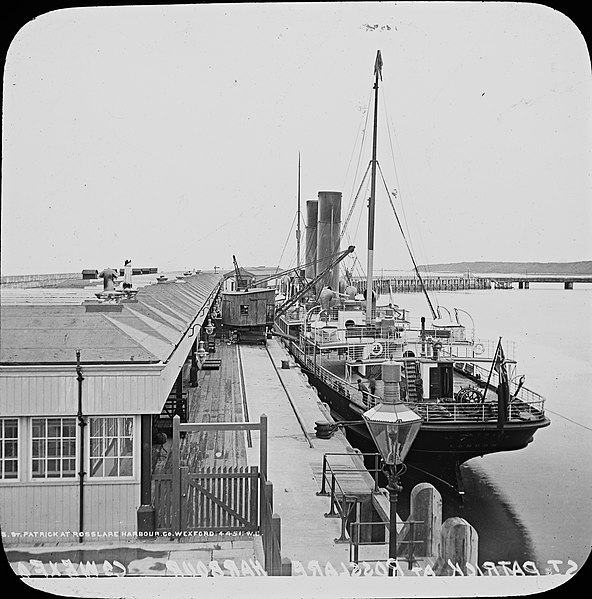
(171, 135)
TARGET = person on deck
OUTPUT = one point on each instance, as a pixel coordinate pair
(364, 390)
(372, 385)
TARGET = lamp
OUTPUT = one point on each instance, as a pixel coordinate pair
(393, 426)
(201, 352)
(209, 328)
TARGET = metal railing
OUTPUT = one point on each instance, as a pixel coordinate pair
(453, 340)
(349, 391)
(518, 393)
(406, 539)
(453, 411)
(525, 406)
(343, 504)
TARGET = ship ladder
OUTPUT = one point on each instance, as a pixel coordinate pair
(412, 379)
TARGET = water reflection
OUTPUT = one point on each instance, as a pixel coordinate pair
(502, 535)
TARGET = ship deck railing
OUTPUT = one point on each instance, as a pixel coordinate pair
(402, 327)
(449, 410)
(524, 405)
(406, 341)
(517, 391)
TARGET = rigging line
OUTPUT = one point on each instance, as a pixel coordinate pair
(342, 265)
(388, 129)
(434, 313)
(359, 266)
(400, 193)
(287, 240)
(334, 255)
(569, 419)
(360, 215)
(363, 139)
(343, 229)
(354, 255)
(227, 222)
(364, 129)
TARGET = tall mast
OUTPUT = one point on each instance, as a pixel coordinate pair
(298, 220)
(371, 202)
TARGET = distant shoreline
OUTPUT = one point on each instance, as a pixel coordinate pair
(582, 268)
(531, 268)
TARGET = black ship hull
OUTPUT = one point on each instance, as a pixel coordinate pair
(439, 448)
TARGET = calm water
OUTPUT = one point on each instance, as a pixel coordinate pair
(535, 503)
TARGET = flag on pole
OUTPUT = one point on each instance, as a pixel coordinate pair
(378, 65)
(500, 364)
(503, 385)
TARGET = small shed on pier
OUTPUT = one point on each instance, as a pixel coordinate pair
(250, 313)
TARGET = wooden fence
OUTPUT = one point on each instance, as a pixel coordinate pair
(220, 499)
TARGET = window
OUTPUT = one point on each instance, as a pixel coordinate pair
(54, 447)
(111, 446)
(244, 309)
(8, 448)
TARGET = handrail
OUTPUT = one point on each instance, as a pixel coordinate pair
(409, 527)
(409, 336)
(516, 391)
(345, 503)
(527, 406)
(374, 472)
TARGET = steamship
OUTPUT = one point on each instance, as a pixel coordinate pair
(467, 391)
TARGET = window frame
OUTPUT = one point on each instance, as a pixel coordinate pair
(19, 453)
(134, 444)
(31, 457)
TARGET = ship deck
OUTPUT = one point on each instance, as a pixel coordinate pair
(337, 367)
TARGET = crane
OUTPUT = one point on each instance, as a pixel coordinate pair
(240, 282)
(291, 301)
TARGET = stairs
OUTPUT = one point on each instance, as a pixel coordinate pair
(414, 383)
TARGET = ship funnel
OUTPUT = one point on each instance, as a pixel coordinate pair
(310, 253)
(328, 234)
(391, 377)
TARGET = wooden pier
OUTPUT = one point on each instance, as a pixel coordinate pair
(383, 284)
(251, 384)
(524, 281)
(217, 398)
(386, 284)
(312, 491)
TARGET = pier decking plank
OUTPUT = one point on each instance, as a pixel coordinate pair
(217, 398)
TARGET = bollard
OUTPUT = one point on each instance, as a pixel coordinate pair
(426, 508)
(460, 543)
(323, 429)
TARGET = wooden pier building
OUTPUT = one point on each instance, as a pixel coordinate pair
(76, 433)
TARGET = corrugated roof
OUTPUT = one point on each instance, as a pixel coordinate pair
(143, 331)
